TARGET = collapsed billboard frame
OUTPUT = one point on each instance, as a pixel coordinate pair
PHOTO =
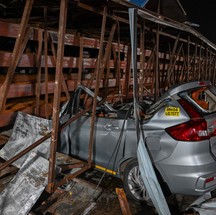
(59, 67)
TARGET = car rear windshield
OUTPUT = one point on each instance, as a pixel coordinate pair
(203, 97)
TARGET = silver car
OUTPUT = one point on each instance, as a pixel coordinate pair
(179, 130)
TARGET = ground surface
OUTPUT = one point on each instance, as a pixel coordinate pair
(84, 196)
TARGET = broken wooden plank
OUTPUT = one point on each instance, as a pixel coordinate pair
(123, 201)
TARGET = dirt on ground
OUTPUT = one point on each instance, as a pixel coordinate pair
(94, 193)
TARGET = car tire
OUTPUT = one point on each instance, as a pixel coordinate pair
(133, 183)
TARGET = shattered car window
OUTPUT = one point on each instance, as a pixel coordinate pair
(204, 98)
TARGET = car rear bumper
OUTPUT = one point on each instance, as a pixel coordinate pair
(193, 180)
(206, 182)
(190, 170)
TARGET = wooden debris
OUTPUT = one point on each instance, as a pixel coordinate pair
(75, 198)
(123, 201)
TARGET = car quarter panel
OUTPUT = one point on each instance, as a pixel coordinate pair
(160, 144)
(188, 162)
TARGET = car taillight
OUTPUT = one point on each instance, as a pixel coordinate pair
(193, 130)
(210, 179)
(191, 111)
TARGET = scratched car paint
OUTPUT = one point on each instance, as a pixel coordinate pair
(179, 131)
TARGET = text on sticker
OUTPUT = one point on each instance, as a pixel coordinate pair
(172, 111)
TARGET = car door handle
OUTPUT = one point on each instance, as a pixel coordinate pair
(109, 127)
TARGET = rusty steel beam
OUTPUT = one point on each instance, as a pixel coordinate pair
(173, 63)
(105, 61)
(127, 75)
(151, 59)
(172, 56)
(142, 60)
(14, 57)
(65, 167)
(188, 59)
(151, 77)
(108, 49)
(80, 66)
(123, 20)
(118, 62)
(11, 30)
(163, 78)
(123, 201)
(69, 177)
(157, 75)
(214, 73)
(46, 62)
(96, 10)
(183, 67)
(175, 69)
(195, 64)
(38, 65)
(53, 49)
(18, 48)
(91, 80)
(84, 166)
(206, 63)
(115, 62)
(199, 64)
(65, 87)
(64, 84)
(106, 79)
(91, 138)
(210, 66)
(25, 89)
(202, 64)
(57, 93)
(149, 66)
(27, 60)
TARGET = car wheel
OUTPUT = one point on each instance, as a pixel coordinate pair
(133, 183)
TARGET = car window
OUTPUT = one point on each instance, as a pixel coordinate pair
(204, 98)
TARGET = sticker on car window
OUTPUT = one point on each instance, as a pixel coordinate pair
(172, 111)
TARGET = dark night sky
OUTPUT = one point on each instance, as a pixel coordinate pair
(202, 12)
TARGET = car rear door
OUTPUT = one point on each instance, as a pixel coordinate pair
(107, 146)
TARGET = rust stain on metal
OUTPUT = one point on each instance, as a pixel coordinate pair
(123, 201)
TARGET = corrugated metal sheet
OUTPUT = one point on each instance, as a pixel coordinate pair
(27, 186)
(27, 130)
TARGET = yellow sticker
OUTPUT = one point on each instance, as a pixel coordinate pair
(172, 111)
